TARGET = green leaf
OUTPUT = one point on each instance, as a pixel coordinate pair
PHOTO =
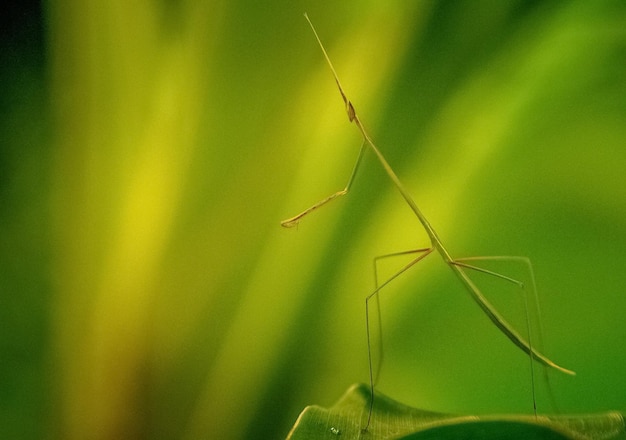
(393, 420)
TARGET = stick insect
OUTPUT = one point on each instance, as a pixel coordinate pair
(458, 265)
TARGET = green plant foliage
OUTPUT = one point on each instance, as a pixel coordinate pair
(393, 420)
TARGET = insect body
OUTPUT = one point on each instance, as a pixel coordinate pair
(457, 266)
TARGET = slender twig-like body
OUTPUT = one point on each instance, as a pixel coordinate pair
(457, 266)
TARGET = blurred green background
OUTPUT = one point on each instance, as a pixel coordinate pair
(149, 150)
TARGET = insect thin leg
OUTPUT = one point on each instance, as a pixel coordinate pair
(293, 221)
(376, 286)
(423, 253)
(539, 337)
(526, 262)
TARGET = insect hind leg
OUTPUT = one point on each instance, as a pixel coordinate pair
(536, 338)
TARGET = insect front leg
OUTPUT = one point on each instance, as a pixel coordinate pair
(293, 221)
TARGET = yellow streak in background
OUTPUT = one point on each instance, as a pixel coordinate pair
(129, 107)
